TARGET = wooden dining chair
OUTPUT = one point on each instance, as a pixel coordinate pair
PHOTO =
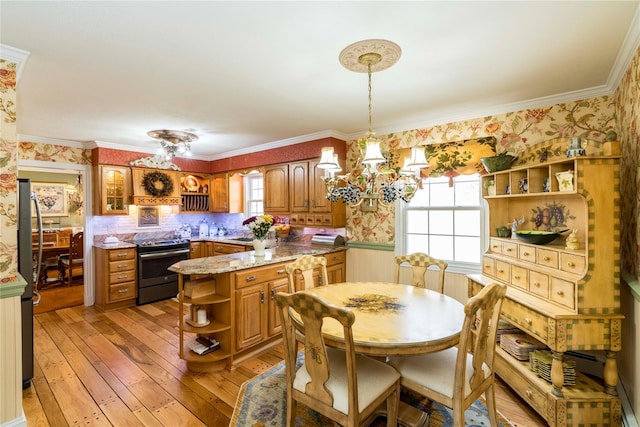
(342, 386)
(306, 265)
(456, 377)
(72, 264)
(419, 263)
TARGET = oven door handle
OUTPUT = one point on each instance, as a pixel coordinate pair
(154, 255)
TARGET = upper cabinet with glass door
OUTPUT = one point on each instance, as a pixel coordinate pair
(111, 194)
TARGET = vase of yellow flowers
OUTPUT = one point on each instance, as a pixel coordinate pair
(259, 226)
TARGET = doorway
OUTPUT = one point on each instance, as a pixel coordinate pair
(75, 180)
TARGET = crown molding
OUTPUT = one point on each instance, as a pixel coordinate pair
(626, 53)
(16, 55)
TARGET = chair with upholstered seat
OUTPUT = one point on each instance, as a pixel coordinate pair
(306, 265)
(419, 263)
(71, 265)
(343, 386)
(456, 377)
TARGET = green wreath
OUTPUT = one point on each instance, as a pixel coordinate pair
(158, 184)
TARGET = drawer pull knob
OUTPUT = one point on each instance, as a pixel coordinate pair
(250, 278)
(516, 277)
(122, 265)
(529, 393)
(121, 255)
(122, 291)
(536, 284)
(546, 258)
(495, 246)
(527, 321)
(525, 253)
(560, 293)
(281, 271)
(570, 264)
(123, 276)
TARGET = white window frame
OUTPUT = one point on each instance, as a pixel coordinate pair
(248, 185)
(454, 266)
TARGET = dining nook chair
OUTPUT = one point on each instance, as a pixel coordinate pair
(419, 263)
(456, 377)
(305, 266)
(344, 387)
(71, 265)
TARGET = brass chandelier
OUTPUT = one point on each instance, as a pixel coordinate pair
(371, 182)
(173, 142)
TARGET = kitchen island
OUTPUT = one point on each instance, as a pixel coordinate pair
(230, 300)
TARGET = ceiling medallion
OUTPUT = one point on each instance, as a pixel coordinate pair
(357, 56)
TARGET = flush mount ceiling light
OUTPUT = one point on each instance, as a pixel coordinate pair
(373, 183)
(173, 142)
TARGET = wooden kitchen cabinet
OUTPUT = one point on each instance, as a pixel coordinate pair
(307, 204)
(116, 277)
(141, 196)
(569, 299)
(220, 195)
(112, 189)
(276, 189)
(255, 292)
(195, 190)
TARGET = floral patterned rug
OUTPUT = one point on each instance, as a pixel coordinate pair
(261, 402)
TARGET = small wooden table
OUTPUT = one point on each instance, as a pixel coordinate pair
(393, 319)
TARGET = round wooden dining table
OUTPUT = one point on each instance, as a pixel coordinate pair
(393, 319)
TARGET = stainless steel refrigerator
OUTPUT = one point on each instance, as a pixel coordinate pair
(26, 202)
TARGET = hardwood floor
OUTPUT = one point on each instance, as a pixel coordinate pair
(122, 368)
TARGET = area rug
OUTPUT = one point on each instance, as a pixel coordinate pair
(261, 402)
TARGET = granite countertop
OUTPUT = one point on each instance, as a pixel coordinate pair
(243, 260)
(118, 245)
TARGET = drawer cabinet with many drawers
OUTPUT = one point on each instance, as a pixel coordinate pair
(566, 298)
(116, 277)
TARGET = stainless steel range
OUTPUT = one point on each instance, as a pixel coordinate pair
(155, 282)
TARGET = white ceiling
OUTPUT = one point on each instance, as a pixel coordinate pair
(243, 75)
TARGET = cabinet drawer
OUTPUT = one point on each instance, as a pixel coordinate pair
(489, 266)
(116, 254)
(572, 263)
(519, 276)
(562, 292)
(122, 291)
(495, 246)
(548, 258)
(510, 249)
(539, 284)
(526, 319)
(527, 253)
(534, 396)
(259, 275)
(503, 271)
(336, 258)
(221, 248)
(122, 276)
(122, 265)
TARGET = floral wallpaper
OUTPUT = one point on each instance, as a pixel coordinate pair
(53, 153)
(514, 132)
(627, 110)
(8, 169)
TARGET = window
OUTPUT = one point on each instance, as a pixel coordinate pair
(445, 222)
(253, 195)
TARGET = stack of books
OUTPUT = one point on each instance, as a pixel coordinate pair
(520, 345)
(204, 345)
